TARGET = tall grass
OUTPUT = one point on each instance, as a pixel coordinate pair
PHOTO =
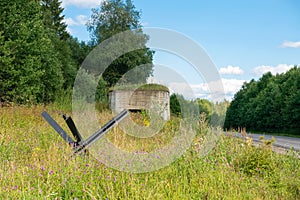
(35, 163)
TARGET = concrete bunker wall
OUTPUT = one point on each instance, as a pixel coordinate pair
(136, 100)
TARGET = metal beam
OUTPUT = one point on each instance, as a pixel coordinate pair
(73, 128)
(57, 128)
(80, 145)
(98, 134)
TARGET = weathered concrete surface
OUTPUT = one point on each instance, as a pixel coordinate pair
(141, 100)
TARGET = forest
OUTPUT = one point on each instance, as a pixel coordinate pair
(39, 59)
(270, 104)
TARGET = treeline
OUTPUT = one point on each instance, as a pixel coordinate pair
(39, 59)
(214, 113)
(271, 104)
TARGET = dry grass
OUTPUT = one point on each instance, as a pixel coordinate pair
(36, 164)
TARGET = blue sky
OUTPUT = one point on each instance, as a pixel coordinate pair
(244, 39)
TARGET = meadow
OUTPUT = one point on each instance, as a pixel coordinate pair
(35, 163)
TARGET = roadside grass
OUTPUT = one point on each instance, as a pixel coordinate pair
(35, 163)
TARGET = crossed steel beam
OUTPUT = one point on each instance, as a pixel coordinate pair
(79, 144)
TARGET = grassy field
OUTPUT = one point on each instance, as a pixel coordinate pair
(35, 163)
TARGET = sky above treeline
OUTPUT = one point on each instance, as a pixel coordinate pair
(244, 39)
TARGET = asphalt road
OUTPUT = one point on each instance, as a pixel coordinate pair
(281, 141)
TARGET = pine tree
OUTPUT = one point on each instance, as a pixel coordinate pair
(57, 30)
(29, 68)
(54, 18)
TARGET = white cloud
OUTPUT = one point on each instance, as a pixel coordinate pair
(81, 3)
(260, 70)
(177, 87)
(80, 20)
(217, 90)
(288, 44)
(230, 70)
(145, 23)
(232, 86)
(182, 88)
(70, 22)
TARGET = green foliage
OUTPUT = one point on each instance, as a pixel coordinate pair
(38, 58)
(181, 107)
(175, 108)
(130, 68)
(266, 143)
(214, 112)
(53, 18)
(87, 85)
(80, 50)
(63, 100)
(56, 28)
(219, 113)
(113, 17)
(30, 70)
(205, 106)
(270, 104)
(102, 92)
(256, 161)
